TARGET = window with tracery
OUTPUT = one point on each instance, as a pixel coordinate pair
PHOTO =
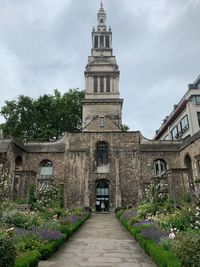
(159, 167)
(102, 154)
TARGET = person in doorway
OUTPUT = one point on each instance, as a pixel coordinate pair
(102, 206)
(98, 205)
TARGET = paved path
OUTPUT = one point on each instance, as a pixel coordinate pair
(101, 242)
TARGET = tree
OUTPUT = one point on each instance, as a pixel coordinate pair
(43, 119)
(125, 128)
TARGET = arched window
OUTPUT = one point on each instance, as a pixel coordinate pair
(102, 154)
(159, 166)
(46, 169)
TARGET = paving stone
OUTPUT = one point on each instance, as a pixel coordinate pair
(101, 242)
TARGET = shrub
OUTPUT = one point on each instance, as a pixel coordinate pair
(19, 219)
(7, 252)
(48, 249)
(48, 195)
(145, 210)
(28, 259)
(31, 194)
(187, 248)
(26, 240)
(182, 219)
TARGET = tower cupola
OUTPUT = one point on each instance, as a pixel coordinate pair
(101, 17)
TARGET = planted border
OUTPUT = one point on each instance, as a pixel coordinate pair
(160, 256)
(32, 258)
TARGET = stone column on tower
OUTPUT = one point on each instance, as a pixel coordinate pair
(102, 106)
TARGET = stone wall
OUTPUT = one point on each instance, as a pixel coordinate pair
(129, 168)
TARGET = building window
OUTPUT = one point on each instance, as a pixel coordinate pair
(96, 39)
(101, 122)
(95, 84)
(102, 154)
(174, 133)
(107, 41)
(101, 84)
(46, 172)
(196, 99)
(101, 41)
(159, 166)
(184, 124)
(108, 84)
(198, 117)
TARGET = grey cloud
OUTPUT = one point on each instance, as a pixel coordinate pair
(156, 43)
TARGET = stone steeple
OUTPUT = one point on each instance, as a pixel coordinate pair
(102, 105)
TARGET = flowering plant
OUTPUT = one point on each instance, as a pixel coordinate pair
(5, 184)
(47, 195)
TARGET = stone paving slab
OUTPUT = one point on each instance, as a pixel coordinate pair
(101, 242)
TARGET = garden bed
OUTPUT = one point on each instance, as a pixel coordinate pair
(30, 236)
(169, 234)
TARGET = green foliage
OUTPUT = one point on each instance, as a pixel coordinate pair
(182, 219)
(145, 210)
(187, 248)
(19, 219)
(43, 119)
(28, 259)
(48, 249)
(27, 242)
(124, 128)
(160, 255)
(7, 252)
(32, 194)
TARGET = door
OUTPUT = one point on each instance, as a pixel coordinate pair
(102, 196)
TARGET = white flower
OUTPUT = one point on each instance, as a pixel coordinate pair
(172, 235)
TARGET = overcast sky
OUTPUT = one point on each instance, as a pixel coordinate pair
(44, 44)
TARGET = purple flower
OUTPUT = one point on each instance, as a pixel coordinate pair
(50, 235)
(155, 234)
(129, 214)
(72, 219)
(143, 222)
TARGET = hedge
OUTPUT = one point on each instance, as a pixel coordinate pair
(160, 256)
(50, 248)
(28, 259)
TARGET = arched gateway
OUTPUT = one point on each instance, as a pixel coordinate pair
(102, 196)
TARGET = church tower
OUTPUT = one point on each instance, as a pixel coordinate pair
(102, 106)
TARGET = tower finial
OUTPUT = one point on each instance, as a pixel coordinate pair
(101, 3)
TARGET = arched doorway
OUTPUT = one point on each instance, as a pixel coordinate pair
(102, 196)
